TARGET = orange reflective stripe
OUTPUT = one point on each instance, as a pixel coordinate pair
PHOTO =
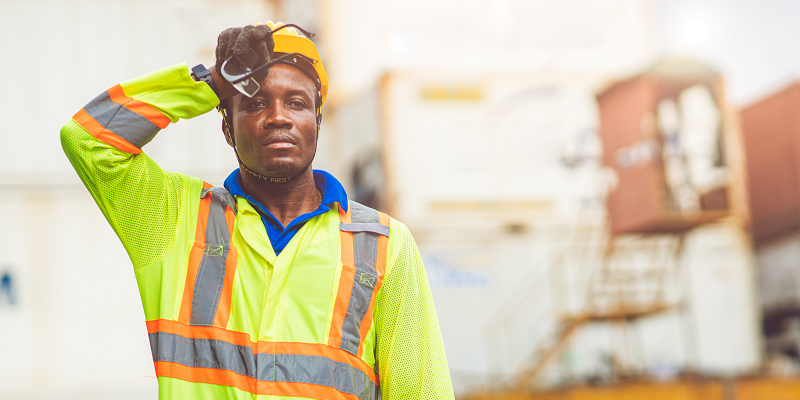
(147, 111)
(205, 375)
(346, 279)
(248, 384)
(383, 243)
(346, 239)
(195, 256)
(380, 267)
(200, 332)
(308, 390)
(223, 311)
(101, 133)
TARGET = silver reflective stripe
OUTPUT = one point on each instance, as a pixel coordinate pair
(315, 370)
(202, 353)
(365, 253)
(134, 128)
(219, 354)
(211, 273)
(363, 227)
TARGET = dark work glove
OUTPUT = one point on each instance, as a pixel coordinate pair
(252, 45)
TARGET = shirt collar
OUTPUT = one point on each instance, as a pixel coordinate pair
(332, 190)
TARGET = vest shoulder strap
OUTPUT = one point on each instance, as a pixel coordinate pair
(364, 234)
(223, 193)
(212, 261)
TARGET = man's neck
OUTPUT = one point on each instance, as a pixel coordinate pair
(286, 201)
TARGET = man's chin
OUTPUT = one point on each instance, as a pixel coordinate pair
(282, 170)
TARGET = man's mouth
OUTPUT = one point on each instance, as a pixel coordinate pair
(280, 141)
(280, 145)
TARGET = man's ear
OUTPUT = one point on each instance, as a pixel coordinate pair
(228, 135)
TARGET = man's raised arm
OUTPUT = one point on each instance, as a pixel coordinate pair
(104, 140)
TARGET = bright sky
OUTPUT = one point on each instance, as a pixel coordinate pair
(754, 43)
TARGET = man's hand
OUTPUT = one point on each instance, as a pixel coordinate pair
(252, 45)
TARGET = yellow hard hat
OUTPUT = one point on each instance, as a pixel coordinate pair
(290, 40)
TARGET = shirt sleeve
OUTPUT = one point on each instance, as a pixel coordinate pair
(143, 203)
(410, 353)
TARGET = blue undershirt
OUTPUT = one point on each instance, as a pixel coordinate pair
(332, 191)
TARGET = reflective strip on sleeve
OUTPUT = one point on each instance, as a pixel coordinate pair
(143, 109)
(121, 121)
(218, 356)
(358, 225)
(212, 263)
(101, 133)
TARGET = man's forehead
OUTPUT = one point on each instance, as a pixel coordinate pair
(287, 77)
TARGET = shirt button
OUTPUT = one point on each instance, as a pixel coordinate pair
(275, 227)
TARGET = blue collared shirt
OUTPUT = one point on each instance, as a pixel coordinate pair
(279, 236)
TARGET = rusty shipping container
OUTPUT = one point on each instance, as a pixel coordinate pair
(770, 128)
(662, 133)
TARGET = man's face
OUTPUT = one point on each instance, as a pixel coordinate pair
(275, 130)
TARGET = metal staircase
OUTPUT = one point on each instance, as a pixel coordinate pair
(629, 277)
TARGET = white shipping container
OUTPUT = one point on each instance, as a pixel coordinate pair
(498, 177)
(76, 327)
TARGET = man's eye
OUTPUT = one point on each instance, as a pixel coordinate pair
(297, 104)
(257, 104)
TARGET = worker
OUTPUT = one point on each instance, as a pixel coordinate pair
(274, 285)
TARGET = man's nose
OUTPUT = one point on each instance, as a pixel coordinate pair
(278, 118)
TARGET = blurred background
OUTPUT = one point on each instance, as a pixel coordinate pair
(605, 193)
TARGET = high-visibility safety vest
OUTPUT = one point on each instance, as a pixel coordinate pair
(344, 312)
(197, 348)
